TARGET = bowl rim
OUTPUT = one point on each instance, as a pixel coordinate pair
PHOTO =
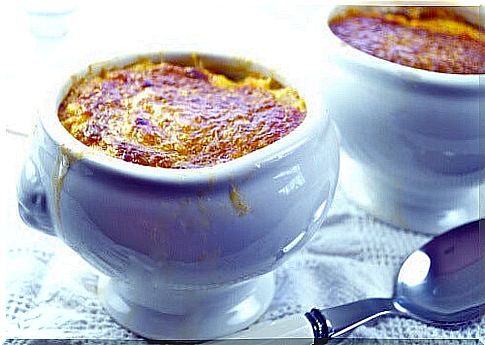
(315, 121)
(393, 69)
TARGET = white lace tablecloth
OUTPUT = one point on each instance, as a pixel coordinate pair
(51, 292)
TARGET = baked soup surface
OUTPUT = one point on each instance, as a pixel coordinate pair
(170, 116)
(428, 38)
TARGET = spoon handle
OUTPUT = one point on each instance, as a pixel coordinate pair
(332, 322)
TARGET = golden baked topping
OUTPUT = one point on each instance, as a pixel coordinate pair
(427, 38)
(163, 115)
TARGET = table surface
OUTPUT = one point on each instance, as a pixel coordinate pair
(51, 292)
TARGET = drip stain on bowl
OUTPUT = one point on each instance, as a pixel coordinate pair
(63, 163)
(238, 203)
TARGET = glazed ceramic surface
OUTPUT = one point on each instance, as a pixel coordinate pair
(188, 253)
(410, 138)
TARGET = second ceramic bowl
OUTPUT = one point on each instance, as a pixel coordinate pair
(410, 138)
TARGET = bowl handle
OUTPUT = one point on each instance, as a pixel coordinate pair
(32, 199)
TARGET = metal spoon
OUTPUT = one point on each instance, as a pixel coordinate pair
(440, 284)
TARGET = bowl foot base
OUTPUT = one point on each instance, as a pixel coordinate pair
(164, 312)
(427, 209)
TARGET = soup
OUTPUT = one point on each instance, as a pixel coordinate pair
(428, 38)
(170, 116)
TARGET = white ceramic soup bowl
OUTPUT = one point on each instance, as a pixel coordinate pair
(189, 253)
(410, 138)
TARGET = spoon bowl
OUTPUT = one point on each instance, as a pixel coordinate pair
(439, 284)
